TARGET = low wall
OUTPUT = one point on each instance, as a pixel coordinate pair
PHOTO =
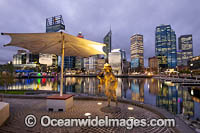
(4, 112)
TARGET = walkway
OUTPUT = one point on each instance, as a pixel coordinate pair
(19, 108)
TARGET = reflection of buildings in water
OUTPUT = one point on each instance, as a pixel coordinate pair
(188, 103)
(141, 84)
(22, 84)
(125, 87)
(128, 94)
(43, 84)
(168, 98)
(93, 86)
(78, 85)
(137, 87)
(197, 109)
(119, 87)
(69, 84)
(86, 85)
(149, 98)
(54, 84)
(154, 86)
(70, 81)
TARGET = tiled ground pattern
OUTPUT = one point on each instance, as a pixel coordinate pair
(19, 108)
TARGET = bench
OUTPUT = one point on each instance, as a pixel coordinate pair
(59, 103)
(4, 112)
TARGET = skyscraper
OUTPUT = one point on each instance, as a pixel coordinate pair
(116, 57)
(107, 40)
(165, 46)
(137, 51)
(185, 48)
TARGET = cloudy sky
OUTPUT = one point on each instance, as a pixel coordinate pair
(94, 17)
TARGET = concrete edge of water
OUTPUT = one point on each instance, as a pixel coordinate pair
(181, 126)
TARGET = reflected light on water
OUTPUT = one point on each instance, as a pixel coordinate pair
(169, 96)
(192, 92)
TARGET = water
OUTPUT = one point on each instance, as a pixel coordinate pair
(172, 97)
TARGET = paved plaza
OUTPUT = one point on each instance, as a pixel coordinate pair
(19, 108)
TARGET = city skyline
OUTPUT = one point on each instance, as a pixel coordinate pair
(131, 17)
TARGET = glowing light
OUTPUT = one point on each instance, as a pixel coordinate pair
(130, 108)
(149, 74)
(192, 92)
(99, 103)
(87, 114)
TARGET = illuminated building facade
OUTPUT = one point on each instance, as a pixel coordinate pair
(137, 51)
(100, 64)
(93, 63)
(194, 63)
(165, 46)
(25, 59)
(185, 50)
(154, 64)
(86, 63)
(48, 59)
(117, 58)
(20, 57)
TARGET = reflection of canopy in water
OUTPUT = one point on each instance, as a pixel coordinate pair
(51, 43)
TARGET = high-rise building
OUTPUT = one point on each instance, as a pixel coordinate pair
(179, 58)
(165, 46)
(117, 61)
(108, 41)
(185, 49)
(153, 64)
(194, 63)
(137, 51)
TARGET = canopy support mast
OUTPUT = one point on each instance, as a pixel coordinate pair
(62, 65)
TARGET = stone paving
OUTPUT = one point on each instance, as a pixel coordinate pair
(19, 108)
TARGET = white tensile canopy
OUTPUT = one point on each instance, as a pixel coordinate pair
(58, 43)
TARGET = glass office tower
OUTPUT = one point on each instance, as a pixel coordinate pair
(186, 48)
(165, 46)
